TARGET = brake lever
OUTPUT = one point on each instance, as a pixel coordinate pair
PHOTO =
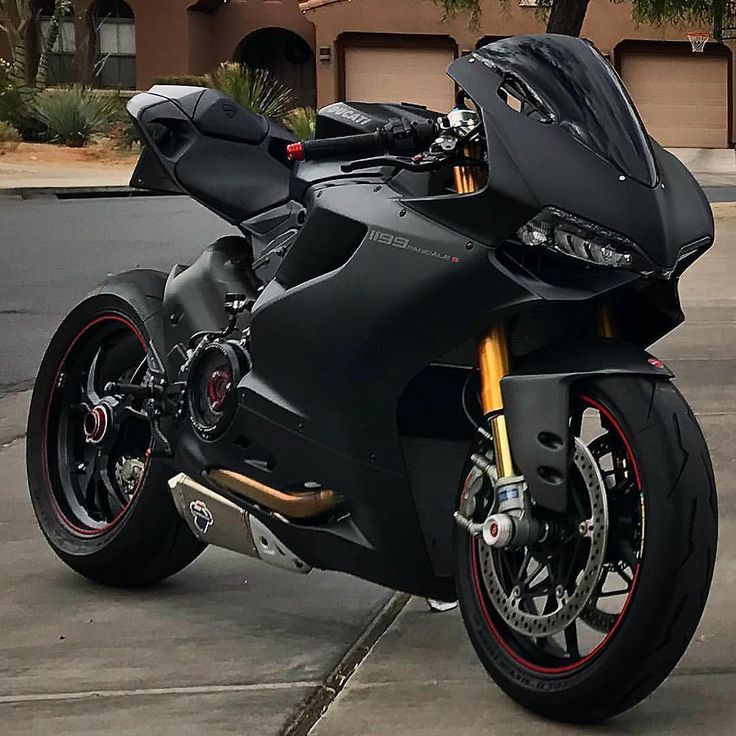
(417, 164)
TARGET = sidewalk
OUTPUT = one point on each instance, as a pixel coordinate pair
(23, 176)
(35, 166)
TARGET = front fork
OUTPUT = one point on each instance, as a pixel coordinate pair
(494, 363)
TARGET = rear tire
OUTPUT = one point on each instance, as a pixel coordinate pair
(669, 592)
(135, 537)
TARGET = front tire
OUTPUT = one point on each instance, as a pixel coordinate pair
(660, 453)
(101, 499)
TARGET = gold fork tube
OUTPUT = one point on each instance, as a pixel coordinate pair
(493, 350)
(467, 178)
(493, 359)
(606, 323)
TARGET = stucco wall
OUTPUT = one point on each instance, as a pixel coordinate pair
(606, 24)
(171, 39)
(238, 19)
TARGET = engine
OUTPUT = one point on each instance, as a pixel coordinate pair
(211, 376)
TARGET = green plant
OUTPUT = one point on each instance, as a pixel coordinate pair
(568, 16)
(16, 108)
(255, 89)
(8, 134)
(451, 8)
(125, 136)
(301, 121)
(188, 80)
(75, 115)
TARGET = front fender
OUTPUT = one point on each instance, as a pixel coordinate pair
(537, 401)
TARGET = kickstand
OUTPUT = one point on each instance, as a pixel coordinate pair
(441, 606)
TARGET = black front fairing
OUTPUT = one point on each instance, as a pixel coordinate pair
(579, 145)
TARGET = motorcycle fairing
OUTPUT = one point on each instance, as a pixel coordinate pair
(332, 356)
(537, 164)
(349, 118)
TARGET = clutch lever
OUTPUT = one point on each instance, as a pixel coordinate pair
(417, 164)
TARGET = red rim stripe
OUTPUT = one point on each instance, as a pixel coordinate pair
(47, 413)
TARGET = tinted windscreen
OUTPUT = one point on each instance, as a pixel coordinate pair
(566, 82)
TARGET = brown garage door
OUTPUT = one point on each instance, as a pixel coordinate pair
(682, 98)
(384, 74)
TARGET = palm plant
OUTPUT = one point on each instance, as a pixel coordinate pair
(301, 121)
(75, 115)
(255, 89)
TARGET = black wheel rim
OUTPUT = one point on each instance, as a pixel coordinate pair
(96, 448)
(590, 633)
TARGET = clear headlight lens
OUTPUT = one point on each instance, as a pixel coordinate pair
(566, 234)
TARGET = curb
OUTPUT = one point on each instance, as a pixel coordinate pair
(724, 209)
(100, 192)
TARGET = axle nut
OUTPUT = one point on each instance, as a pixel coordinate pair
(498, 530)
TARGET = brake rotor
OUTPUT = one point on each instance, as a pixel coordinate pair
(570, 600)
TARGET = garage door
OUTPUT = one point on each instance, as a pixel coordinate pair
(378, 74)
(682, 98)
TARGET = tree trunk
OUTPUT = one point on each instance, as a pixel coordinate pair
(567, 17)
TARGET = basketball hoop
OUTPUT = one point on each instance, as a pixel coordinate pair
(698, 39)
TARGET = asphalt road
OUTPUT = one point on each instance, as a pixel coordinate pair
(53, 252)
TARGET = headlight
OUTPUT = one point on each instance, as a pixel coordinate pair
(572, 236)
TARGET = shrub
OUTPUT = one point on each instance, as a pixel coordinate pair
(187, 80)
(4, 73)
(8, 134)
(75, 115)
(301, 121)
(255, 89)
(125, 135)
(17, 109)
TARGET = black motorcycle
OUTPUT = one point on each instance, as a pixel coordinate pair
(423, 363)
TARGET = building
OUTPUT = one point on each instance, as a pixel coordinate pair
(370, 49)
(328, 50)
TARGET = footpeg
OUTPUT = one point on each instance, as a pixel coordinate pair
(218, 521)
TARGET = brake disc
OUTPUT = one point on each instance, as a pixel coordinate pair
(568, 604)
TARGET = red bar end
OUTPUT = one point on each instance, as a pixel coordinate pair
(295, 152)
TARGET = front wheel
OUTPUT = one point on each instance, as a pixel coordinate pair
(589, 622)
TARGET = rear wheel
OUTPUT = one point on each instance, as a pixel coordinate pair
(101, 499)
(587, 623)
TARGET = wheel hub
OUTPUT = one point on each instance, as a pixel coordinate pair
(564, 600)
(97, 423)
(218, 389)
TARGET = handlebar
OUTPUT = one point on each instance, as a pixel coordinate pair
(396, 137)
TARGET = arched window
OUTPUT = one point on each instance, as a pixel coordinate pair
(61, 61)
(115, 24)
